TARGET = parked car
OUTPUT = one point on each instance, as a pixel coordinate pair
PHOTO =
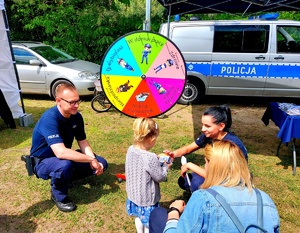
(42, 67)
(255, 57)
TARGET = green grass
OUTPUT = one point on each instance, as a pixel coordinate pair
(25, 204)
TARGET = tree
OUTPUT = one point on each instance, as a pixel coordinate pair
(86, 28)
(82, 28)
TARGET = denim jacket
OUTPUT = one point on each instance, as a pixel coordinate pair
(203, 213)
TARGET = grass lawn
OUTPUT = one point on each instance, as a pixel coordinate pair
(25, 204)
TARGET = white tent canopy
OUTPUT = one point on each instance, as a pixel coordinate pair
(9, 84)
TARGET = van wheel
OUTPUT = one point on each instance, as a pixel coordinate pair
(192, 93)
(55, 85)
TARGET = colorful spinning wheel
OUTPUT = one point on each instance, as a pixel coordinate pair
(143, 74)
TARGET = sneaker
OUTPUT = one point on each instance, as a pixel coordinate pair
(65, 206)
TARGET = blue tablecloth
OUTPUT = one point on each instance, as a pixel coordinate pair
(289, 126)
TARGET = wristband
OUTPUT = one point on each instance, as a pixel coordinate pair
(173, 219)
(172, 209)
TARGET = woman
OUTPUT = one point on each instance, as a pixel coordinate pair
(216, 123)
(227, 173)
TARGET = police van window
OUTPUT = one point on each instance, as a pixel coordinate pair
(288, 39)
(241, 39)
(254, 40)
(22, 57)
(193, 38)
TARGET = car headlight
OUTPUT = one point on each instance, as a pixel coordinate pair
(87, 75)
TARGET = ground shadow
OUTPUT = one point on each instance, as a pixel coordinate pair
(84, 191)
(94, 186)
(22, 223)
(285, 154)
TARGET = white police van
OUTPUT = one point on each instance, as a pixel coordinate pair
(255, 57)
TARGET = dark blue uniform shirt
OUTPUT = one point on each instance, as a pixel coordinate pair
(201, 141)
(53, 128)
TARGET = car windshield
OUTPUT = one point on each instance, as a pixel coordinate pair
(53, 55)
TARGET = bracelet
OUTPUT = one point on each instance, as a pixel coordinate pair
(173, 219)
(172, 209)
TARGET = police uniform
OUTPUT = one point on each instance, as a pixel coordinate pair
(53, 128)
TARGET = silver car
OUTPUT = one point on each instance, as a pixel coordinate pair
(42, 67)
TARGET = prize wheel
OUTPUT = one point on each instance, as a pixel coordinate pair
(143, 74)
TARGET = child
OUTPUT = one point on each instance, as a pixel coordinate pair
(143, 173)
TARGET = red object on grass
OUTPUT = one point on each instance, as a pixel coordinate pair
(120, 177)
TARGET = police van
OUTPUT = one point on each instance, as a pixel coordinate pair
(255, 57)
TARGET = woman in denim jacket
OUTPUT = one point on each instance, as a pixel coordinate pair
(228, 174)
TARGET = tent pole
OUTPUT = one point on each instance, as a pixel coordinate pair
(168, 25)
(246, 9)
(13, 57)
(147, 22)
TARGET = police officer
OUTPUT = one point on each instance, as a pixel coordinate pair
(52, 141)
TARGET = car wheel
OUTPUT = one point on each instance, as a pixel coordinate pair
(55, 85)
(192, 93)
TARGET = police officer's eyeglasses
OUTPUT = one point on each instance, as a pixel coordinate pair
(72, 103)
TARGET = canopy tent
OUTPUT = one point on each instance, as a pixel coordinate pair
(240, 7)
(9, 82)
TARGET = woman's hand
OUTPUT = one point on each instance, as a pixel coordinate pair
(169, 153)
(178, 204)
(176, 208)
(193, 168)
(184, 169)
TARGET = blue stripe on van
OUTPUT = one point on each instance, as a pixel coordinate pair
(248, 70)
(203, 68)
(239, 70)
(291, 71)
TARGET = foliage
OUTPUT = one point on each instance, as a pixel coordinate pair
(84, 29)
(135, 11)
(292, 15)
(76, 26)
(21, 13)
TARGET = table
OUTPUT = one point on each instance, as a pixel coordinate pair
(289, 127)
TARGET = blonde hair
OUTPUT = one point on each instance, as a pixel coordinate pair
(64, 86)
(144, 128)
(227, 166)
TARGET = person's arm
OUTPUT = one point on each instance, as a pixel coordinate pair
(157, 172)
(183, 150)
(194, 215)
(87, 149)
(62, 152)
(194, 168)
(85, 146)
(175, 209)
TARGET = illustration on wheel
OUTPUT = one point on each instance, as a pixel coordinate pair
(143, 74)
